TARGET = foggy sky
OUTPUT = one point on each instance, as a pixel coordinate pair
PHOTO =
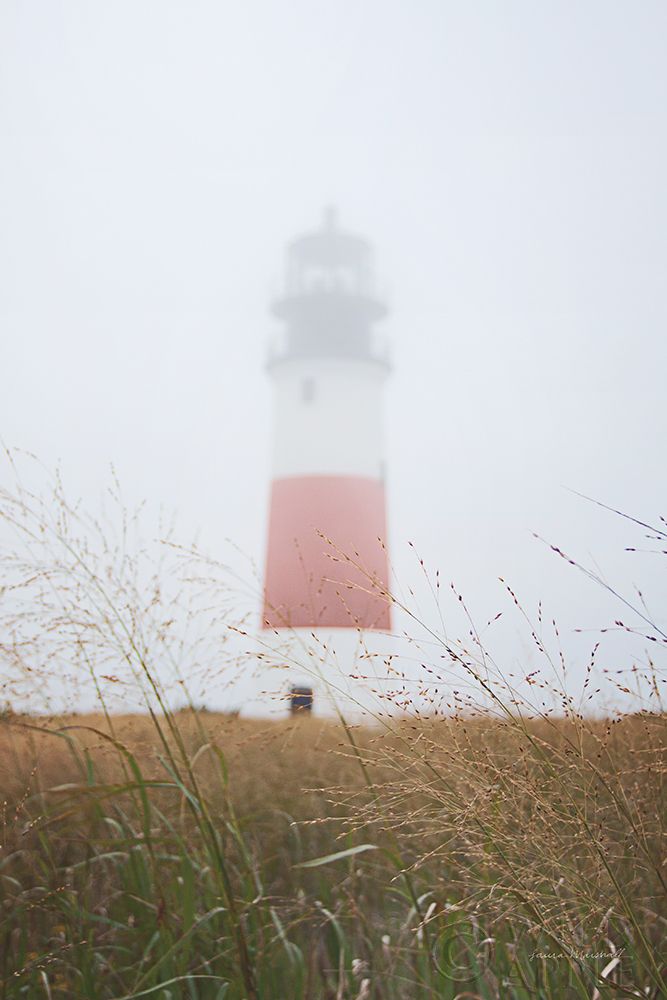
(506, 160)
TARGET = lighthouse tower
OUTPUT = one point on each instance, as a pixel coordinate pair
(326, 563)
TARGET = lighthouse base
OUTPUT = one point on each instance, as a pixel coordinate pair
(347, 672)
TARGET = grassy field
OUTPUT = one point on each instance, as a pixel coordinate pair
(504, 844)
(194, 855)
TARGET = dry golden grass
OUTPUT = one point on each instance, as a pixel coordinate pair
(539, 837)
(511, 848)
(269, 763)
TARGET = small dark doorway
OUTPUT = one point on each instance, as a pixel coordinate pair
(300, 700)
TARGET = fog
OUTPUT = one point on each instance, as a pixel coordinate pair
(507, 163)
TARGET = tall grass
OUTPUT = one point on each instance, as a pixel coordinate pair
(502, 846)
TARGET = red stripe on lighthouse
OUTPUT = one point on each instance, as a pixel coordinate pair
(325, 564)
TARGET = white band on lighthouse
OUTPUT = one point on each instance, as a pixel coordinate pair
(328, 418)
(327, 560)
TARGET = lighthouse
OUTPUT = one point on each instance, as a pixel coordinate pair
(326, 559)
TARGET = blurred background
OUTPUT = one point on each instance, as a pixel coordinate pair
(506, 161)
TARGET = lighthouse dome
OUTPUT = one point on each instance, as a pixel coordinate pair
(328, 302)
(330, 247)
